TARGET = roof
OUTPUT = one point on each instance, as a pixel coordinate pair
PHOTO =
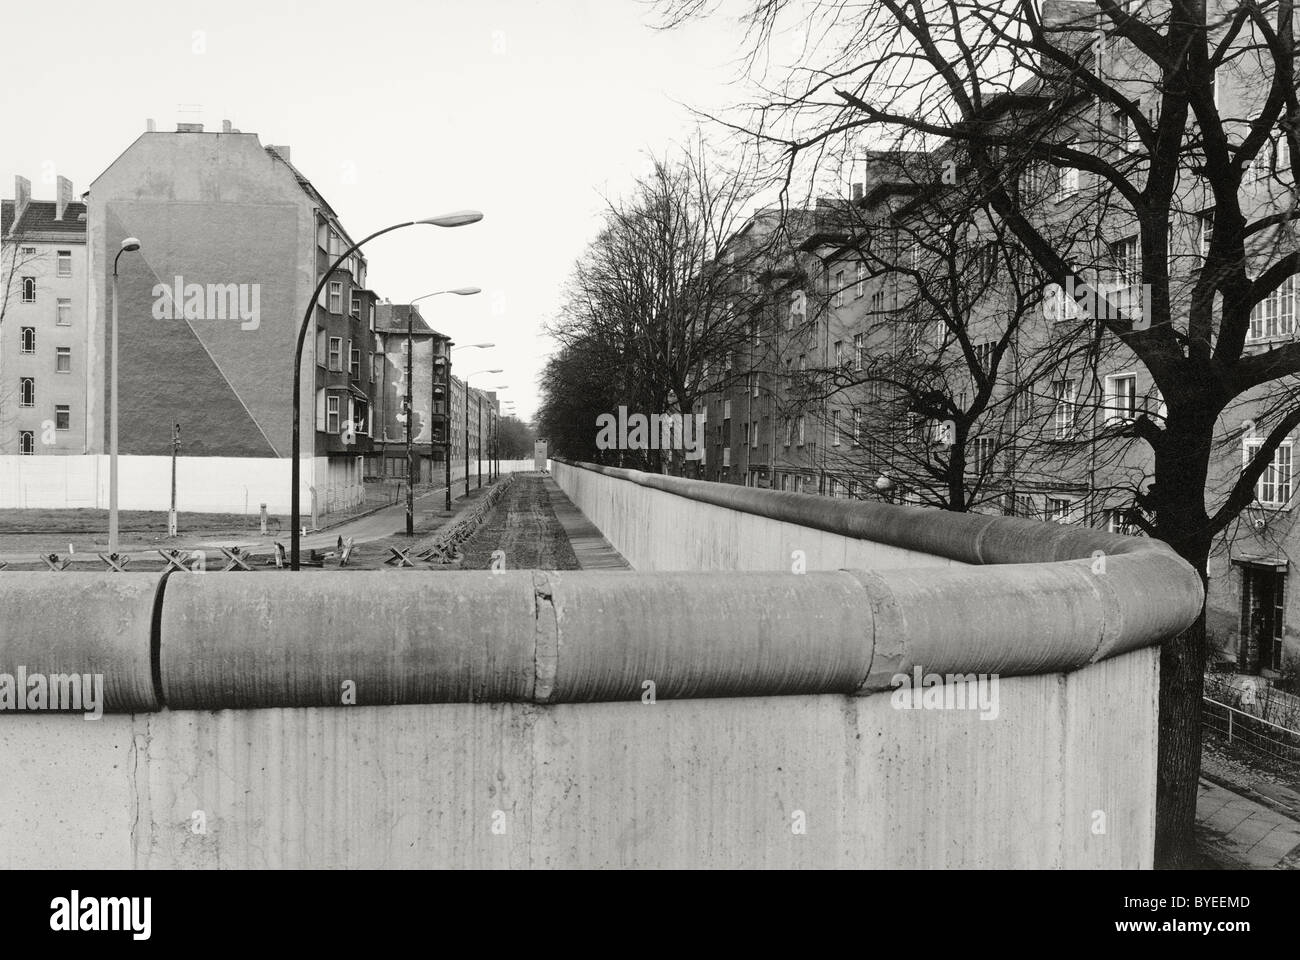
(391, 318)
(38, 221)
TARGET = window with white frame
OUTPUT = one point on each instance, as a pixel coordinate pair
(839, 288)
(860, 286)
(63, 263)
(1121, 398)
(1273, 489)
(26, 442)
(1128, 261)
(29, 289)
(336, 296)
(1204, 234)
(63, 312)
(27, 340)
(839, 353)
(62, 416)
(356, 305)
(27, 392)
(799, 429)
(753, 433)
(789, 430)
(859, 350)
(332, 414)
(857, 426)
(1058, 509)
(62, 359)
(1063, 393)
(835, 428)
(354, 362)
(726, 409)
(983, 355)
(1274, 316)
(981, 456)
(1120, 520)
(336, 353)
(1067, 182)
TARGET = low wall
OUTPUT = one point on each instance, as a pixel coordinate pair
(534, 718)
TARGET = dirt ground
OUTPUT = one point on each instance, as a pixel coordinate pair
(524, 527)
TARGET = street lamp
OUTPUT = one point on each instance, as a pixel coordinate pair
(480, 418)
(451, 348)
(410, 449)
(458, 218)
(494, 464)
(129, 245)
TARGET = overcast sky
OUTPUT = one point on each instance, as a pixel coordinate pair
(394, 109)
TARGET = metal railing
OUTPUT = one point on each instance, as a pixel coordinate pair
(1239, 727)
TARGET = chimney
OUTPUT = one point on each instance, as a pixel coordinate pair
(189, 128)
(282, 151)
(225, 127)
(22, 196)
(857, 192)
(63, 196)
(149, 125)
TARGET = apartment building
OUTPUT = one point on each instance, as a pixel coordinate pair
(43, 323)
(234, 239)
(405, 341)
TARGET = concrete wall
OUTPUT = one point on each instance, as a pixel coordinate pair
(655, 719)
(686, 783)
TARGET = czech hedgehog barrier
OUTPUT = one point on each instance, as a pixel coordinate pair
(688, 717)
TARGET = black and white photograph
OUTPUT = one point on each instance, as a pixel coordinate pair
(650, 435)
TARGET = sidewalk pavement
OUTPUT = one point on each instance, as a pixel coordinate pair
(1245, 831)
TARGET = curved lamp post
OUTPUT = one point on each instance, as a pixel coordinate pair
(457, 219)
(451, 348)
(129, 245)
(410, 449)
(467, 376)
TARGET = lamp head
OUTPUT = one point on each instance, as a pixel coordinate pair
(466, 291)
(130, 244)
(457, 218)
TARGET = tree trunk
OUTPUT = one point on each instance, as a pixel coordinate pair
(1178, 755)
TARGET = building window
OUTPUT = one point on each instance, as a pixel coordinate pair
(27, 251)
(839, 353)
(27, 392)
(63, 312)
(835, 428)
(1273, 488)
(859, 350)
(1064, 413)
(789, 430)
(861, 285)
(1067, 182)
(839, 288)
(799, 429)
(336, 353)
(336, 296)
(753, 433)
(878, 302)
(332, 414)
(1121, 398)
(29, 289)
(62, 416)
(356, 305)
(857, 426)
(753, 384)
(354, 363)
(726, 409)
(63, 259)
(26, 442)
(1274, 316)
(1128, 262)
(63, 360)
(983, 355)
(1204, 234)
(1058, 510)
(981, 458)
(27, 340)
